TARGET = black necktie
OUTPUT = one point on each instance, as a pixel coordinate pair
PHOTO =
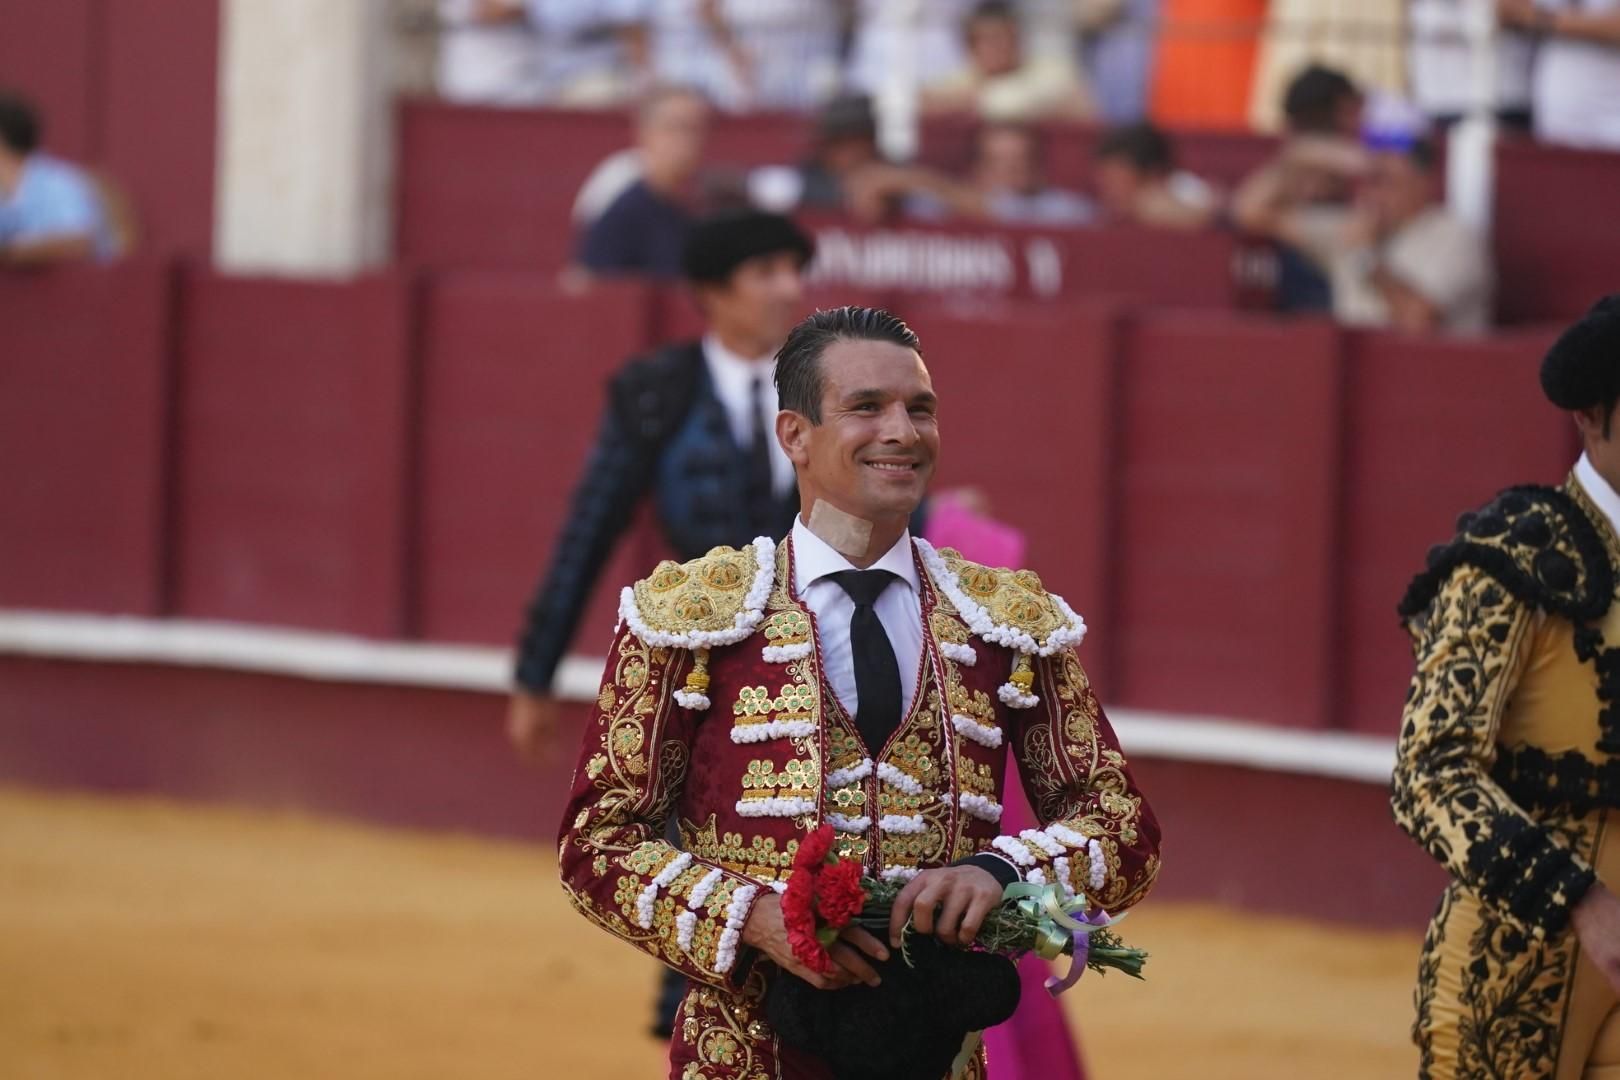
(877, 675)
(757, 481)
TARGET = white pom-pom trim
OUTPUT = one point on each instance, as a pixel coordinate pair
(1060, 867)
(1014, 850)
(1065, 835)
(736, 915)
(1036, 839)
(778, 887)
(897, 778)
(685, 924)
(743, 624)
(649, 895)
(771, 729)
(781, 654)
(1014, 698)
(847, 824)
(1036, 876)
(775, 807)
(1099, 866)
(983, 734)
(962, 653)
(979, 620)
(701, 891)
(904, 824)
(850, 774)
(899, 873)
(691, 699)
(980, 806)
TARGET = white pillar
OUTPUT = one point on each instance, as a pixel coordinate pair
(1471, 147)
(304, 169)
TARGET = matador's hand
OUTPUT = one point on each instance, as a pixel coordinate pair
(950, 902)
(766, 932)
(1597, 923)
(530, 720)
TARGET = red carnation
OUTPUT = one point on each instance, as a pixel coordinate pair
(799, 917)
(813, 849)
(838, 893)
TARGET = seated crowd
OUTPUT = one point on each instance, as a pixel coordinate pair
(1351, 205)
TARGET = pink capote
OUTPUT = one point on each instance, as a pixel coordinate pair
(1036, 1043)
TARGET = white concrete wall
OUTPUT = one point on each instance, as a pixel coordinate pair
(304, 172)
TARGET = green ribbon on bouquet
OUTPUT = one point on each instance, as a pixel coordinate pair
(1060, 923)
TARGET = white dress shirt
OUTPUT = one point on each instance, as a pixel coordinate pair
(898, 607)
(1598, 490)
(733, 377)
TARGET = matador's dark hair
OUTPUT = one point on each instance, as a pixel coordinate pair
(799, 380)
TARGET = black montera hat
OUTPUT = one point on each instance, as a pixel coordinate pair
(1582, 368)
(718, 245)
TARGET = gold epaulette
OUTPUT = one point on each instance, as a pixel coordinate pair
(1005, 607)
(716, 599)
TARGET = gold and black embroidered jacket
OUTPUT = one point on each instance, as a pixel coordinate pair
(1513, 711)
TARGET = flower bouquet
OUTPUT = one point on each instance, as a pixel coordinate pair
(826, 894)
(933, 997)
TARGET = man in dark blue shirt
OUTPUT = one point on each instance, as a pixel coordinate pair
(643, 231)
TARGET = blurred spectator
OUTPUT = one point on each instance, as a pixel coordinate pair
(532, 52)
(644, 229)
(1000, 82)
(747, 54)
(488, 53)
(845, 143)
(50, 211)
(1396, 257)
(1137, 181)
(921, 44)
(1365, 39)
(1116, 53)
(1440, 63)
(1576, 83)
(1008, 185)
(1316, 167)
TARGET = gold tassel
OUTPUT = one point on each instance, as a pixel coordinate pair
(697, 680)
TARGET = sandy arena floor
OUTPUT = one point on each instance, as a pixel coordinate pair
(146, 939)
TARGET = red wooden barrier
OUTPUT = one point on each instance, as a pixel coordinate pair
(513, 389)
(973, 264)
(158, 85)
(1557, 240)
(1435, 426)
(293, 428)
(51, 52)
(84, 417)
(1229, 435)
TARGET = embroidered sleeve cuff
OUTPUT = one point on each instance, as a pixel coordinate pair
(1001, 869)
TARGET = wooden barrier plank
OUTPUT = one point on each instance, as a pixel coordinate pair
(84, 413)
(514, 377)
(1224, 564)
(1437, 426)
(158, 82)
(1557, 246)
(293, 426)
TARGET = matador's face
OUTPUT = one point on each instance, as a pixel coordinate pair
(873, 453)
